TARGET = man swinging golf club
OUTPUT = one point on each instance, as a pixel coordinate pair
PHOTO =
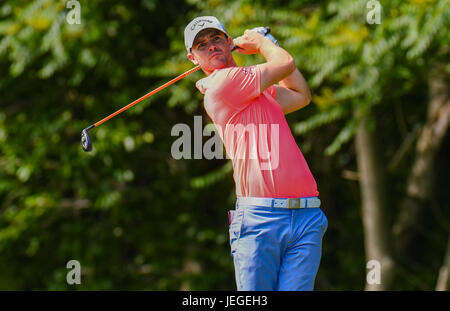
(277, 229)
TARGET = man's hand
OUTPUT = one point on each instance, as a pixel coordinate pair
(250, 42)
(265, 31)
(292, 92)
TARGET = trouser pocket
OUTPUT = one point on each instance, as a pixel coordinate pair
(235, 219)
(230, 216)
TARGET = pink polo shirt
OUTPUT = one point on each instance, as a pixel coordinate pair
(266, 159)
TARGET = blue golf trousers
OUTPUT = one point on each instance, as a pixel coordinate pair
(276, 248)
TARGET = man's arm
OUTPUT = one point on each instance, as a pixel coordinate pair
(280, 63)
(292, 92)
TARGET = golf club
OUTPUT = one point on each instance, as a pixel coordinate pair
(86, 142)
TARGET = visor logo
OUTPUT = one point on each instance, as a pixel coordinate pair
(201, 25)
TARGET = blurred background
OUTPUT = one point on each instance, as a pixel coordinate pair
(376, 138)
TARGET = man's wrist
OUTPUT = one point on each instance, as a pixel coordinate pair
(265, 43)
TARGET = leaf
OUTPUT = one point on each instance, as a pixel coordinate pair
(320, 119)
(212, 177)
(344, 136)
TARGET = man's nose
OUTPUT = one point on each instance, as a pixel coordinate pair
(212, 47)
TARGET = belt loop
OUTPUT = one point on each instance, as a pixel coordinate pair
(306, 203)
(272, 203)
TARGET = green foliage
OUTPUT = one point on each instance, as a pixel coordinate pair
(344, 136)
(133, 216)
(352, 61)
(213, 177)
(320, 119)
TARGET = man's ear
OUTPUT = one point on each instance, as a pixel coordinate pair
(192, 58)
(230, 43)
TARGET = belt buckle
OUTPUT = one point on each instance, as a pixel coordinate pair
(293, 203)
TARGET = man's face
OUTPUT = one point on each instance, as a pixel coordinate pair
(211, 50)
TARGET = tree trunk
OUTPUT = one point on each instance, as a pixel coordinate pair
(420, 183)
(443, 279)
(374, 204)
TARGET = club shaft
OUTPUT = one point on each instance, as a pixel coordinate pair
(153, 92)
(148, 95)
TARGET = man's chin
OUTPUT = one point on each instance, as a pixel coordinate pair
(219, 65)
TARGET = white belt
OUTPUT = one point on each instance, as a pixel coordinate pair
(307, 202)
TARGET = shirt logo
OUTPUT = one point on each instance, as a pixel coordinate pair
(248, 71)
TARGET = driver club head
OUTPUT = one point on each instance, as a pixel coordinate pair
(86, 143)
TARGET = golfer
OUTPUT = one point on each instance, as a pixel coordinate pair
(277, 229)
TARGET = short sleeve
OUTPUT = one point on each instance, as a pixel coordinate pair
(272, 90)
(237, 85)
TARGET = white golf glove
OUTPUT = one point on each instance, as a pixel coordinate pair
(263, 31)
